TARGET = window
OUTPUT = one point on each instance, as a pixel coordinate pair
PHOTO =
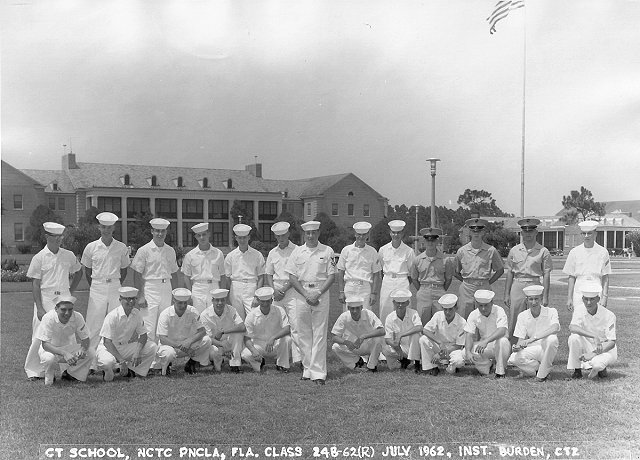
(365, 210)
(179, 182)
(18, 232)
(350, 209)
(220, 234)
(172, 234)
(137, 206)
(228, 184)
(167, 208)
(192, 209)
(154, 181)
(309, 209)
(188, 237)
(54, 186)
(265, 234)
(126, 180)
(334, 209)
(17, 201)
(205, 182)
(110, 204)
(350, 194)
(267, 210)
(247, 206)
(52, 202)
(600, 237)
(61, 204)
(218, 209)
(284, 207)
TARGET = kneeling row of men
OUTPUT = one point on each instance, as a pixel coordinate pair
(446, 341)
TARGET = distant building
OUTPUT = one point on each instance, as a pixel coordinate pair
(184, 196)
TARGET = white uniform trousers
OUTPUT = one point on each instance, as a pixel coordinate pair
(201, 294)
(497, 350)
(50, 362)
(235, 341)
(32, 365)
(106, 360)
(199, 352)
(358, 289)
(390, 284)
(103, 297)
(581, 282)
(427, 300)
(579, 345)
(410, 349)
(280, 352)
(370, 347)
(465, 295)
(242, 295)
(429, 349)
(537, 358)
(518, 300)
(312, 335)
(288, 303)
(159, 297)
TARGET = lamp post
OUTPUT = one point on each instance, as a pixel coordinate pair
(415, 240)
(433, 162)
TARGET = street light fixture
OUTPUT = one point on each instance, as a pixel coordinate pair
(433, 162)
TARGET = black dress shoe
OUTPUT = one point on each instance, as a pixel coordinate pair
(499, 376)
(417, 368)
(319, 381)
(236, 370)
(577, 374)
(360, 363)
(404, 363)
(284, 370)
(435, 371)
(67, 377)
(190, 367)
(603, 374)
(130, 374)
(262, 364)
(375, 369)
(304, 378)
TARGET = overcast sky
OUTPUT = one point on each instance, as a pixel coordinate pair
(332, 86)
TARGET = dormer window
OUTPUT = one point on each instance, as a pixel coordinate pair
(125, 180)
(54, 186)
(228, 184)
(178, 182)
(204, 182)
(350, 194)
(152, 181)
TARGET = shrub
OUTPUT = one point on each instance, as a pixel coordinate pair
(24, 248)
(10, 265)
(14, 276)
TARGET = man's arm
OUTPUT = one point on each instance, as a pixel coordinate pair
(77, 276)
(87, 273)
(553, 329)
(546, 283)
(496, 275)
(37, 298)
(507, 288)
(602, 343)
(571, 283)
(482, 343)
(605, 290)
(123, 274)
(138, 282)
(340, 278)
(377, 281)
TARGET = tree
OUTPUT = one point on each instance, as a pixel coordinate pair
(238, 213)
(77, 237)
(500, 238)
(581, 204)
(295, 233)
(35, 231)
(332, 235)
(139, 231)
(633, 238)
(482, 203)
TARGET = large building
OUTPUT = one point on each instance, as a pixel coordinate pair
(184, 196)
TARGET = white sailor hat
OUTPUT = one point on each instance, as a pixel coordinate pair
(396, 225)
(107, 218)
(68, 298)
(159, 224)
(354, 301)
(362, 227)
(592, 290)
(181, 294)
(588, 225)
(484, 295)
(280, 228)
(311, 225)
(431, 233)
(53, 227)
(219, 293)
(448, 300)
(476, 222)
(533, 290)
(241, 229)
(400, 295)
(200, 228)
(264, 293)
(529, 223)
(128, 291)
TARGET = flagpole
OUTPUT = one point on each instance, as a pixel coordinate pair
(524, 89)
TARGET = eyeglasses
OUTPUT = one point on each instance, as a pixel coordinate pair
(475, 228)
(587, 233)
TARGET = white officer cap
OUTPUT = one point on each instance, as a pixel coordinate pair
(448, 300)
(241, 229)
(128, 291)
(400, 295)
(219, 293)
(396, 225)
(280, 228)
(264, 293)
(354, 301)
(65, 298)
(362, 227)
(476, 222)
(588, 225)
(107, 218)
(533, 290)
(311, 225)
(181, 294)
(431, 233)
(528, 222)
(200, 228)
(592, 290)
(484, 296)
(53, 227)
(159, 224)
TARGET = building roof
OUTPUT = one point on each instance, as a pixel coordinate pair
(610, 221)
(628, 206)
(46, 177)
(303, 188)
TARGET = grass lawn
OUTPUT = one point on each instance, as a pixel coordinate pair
(601, 419)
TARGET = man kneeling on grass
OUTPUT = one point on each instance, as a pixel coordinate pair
(490, 322)
(182, 334)
(59, 333)
(592, 343)
(226, 330)
(124, 340)
(536, 329)
(444, 338)
(268, 333)
(357, 333)
(403, 329)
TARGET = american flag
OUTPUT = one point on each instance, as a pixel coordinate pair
(501, 11)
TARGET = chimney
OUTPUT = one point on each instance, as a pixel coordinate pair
(69, 161)
(255, 169)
